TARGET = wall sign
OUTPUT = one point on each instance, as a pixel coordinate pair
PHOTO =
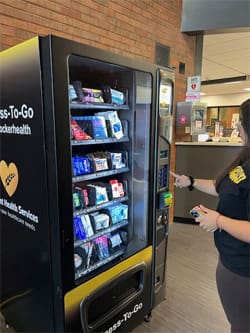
(193, 88)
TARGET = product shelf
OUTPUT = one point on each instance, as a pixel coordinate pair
(96, 106)
(96, 141)
(99, 174)
(113, 227)
(100, 263)
(98, 207)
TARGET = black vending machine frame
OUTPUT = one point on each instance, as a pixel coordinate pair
(46, 297)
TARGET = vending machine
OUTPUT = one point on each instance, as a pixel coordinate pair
(84, 187)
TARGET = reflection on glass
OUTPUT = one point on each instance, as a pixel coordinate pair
(165, 105)
(141, 154)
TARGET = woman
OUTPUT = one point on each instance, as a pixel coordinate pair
(231, 227)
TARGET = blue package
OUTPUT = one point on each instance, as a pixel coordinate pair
(81, 165)
(117, 212)
(115, 240)
(81, 229)
(114, 123)
(75, 166)
(76, 228)
(80, 232)
(100, 130)
(117, 96)
(86, 223)
(85, 166)
(117, 160)
(95, 126)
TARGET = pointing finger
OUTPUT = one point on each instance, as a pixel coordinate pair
(173, 174)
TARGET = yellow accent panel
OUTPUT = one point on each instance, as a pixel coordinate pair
(23, 50)
(237, 175)
(73, 298)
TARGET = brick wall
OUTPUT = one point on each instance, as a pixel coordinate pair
(126, 27)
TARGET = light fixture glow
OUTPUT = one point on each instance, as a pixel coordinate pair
(233, 82)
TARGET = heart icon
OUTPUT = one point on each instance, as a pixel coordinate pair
(9, 177)
(193, 86)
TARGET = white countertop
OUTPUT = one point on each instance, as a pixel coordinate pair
(210, 143)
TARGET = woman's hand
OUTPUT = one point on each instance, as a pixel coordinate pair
(180, 180)
(208, 221)
(203, 185)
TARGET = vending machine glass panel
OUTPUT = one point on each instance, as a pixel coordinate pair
(110, 109)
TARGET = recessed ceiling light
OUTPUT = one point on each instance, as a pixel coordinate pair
(233, 82)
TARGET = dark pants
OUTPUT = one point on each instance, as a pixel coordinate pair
(234, 291)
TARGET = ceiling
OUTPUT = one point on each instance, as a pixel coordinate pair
(226, 55)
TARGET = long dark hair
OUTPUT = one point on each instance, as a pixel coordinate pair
(244, 156)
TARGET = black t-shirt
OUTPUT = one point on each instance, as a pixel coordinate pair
(234, 203)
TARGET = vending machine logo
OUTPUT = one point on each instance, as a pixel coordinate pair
(9, 177)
